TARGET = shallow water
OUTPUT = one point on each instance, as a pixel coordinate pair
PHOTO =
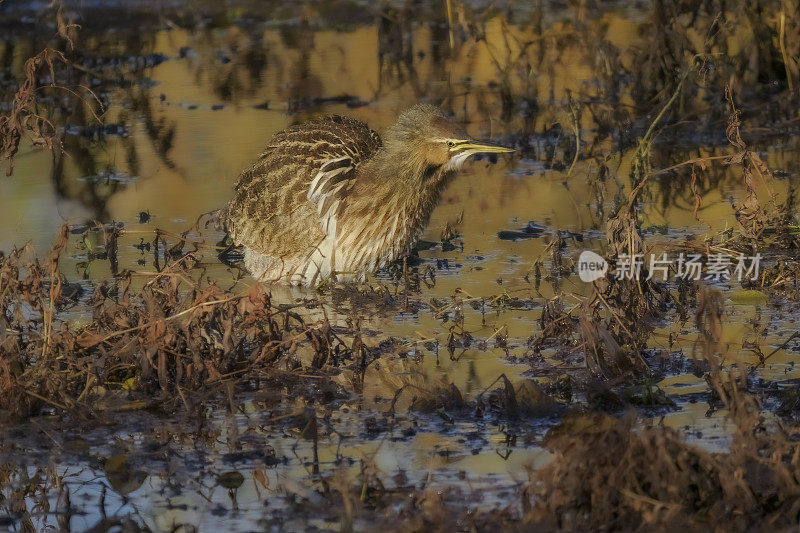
(222, 82)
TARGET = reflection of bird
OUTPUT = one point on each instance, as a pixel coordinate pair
(330, 198)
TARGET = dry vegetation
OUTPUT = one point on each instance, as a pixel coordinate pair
(176, 333)
(42, 75)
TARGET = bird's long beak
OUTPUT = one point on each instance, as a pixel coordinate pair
(474, 147)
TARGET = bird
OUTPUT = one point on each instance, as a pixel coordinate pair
(330, 199)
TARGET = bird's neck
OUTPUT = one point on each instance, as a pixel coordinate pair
(390, 205)
(409, 187)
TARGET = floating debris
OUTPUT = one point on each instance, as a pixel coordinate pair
(532, 230)
(299, 104)
(109, 176)
(106, 130)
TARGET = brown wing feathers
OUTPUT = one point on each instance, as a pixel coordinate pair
(277, 204)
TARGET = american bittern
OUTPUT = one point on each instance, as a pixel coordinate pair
(330, 198)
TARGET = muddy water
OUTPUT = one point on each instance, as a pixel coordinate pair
(179, 132)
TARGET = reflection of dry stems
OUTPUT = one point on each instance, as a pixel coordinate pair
(786, 59)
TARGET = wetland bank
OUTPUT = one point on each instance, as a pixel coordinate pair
(147, 384)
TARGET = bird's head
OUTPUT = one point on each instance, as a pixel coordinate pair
(425, 136)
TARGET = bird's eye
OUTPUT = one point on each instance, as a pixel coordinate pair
(451, 143)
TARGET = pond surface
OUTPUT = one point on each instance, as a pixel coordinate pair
(192, 93)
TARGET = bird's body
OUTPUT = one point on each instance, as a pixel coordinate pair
(330, 198)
